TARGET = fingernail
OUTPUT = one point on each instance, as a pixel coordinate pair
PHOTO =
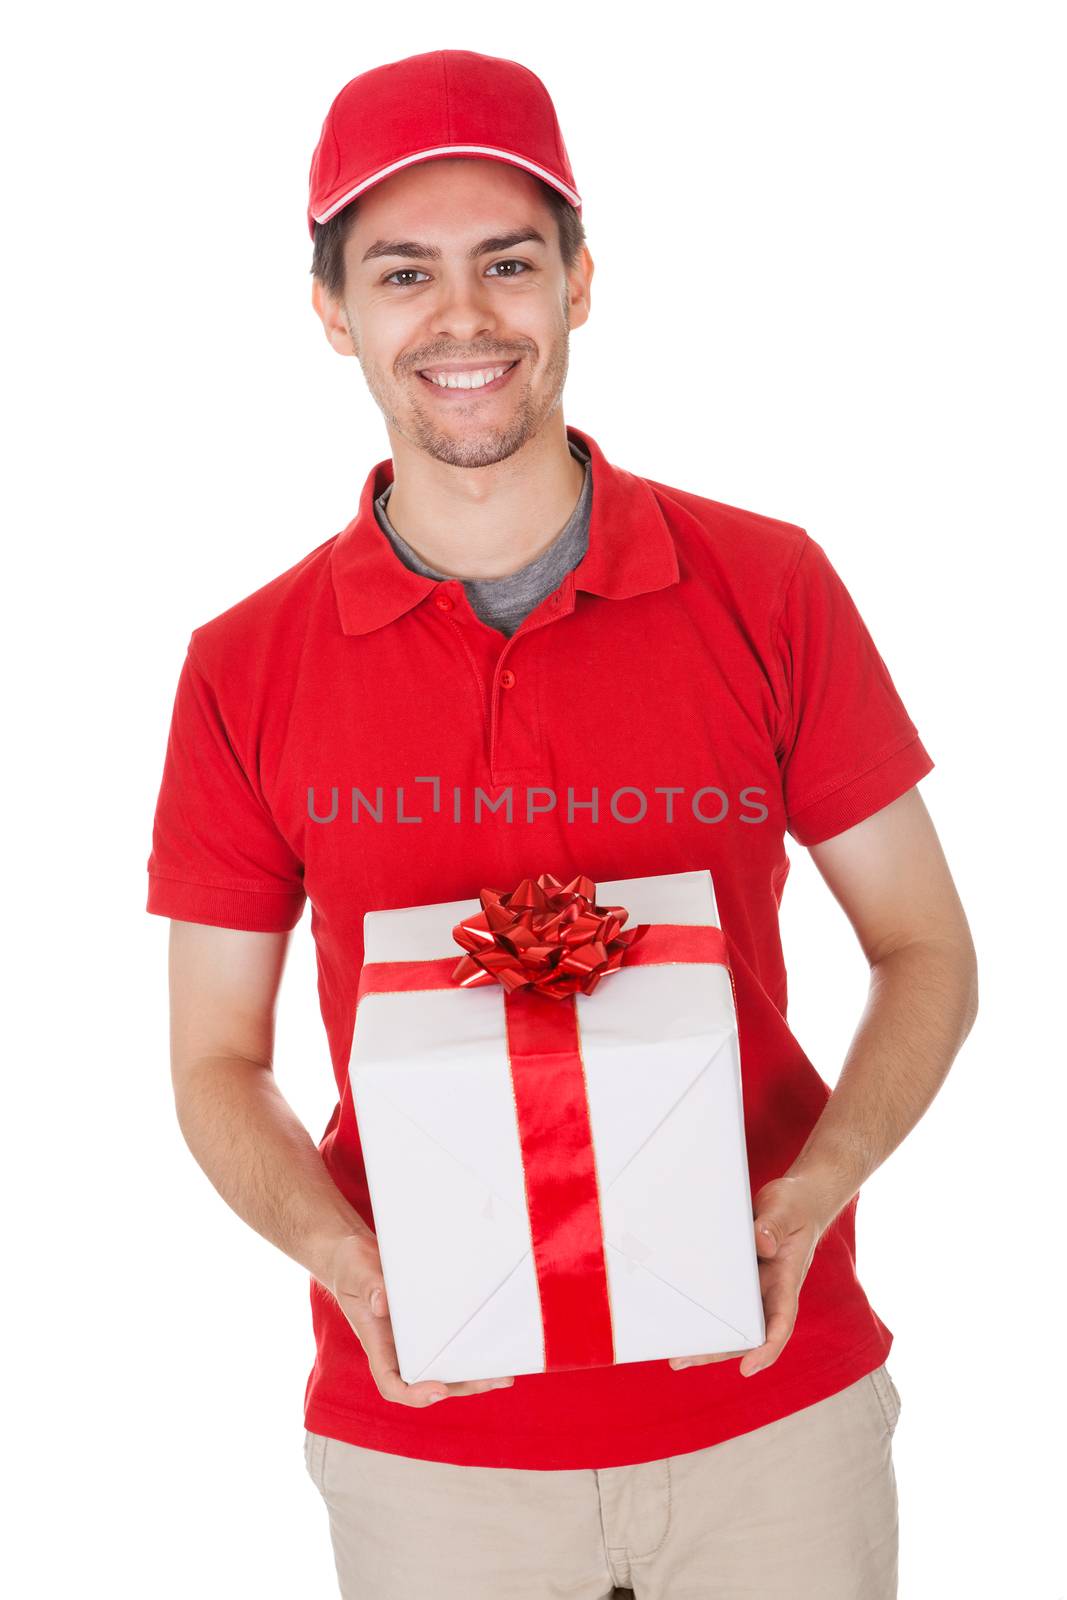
(376, 1302)
(434, 1397)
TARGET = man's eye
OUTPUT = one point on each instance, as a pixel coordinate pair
(520, 264)
(400, 270)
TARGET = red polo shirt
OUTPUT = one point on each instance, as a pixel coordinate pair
(352, 734)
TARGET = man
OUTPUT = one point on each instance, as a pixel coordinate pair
(518, 657)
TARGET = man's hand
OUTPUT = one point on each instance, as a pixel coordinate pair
(248, 1139)
(358, 1286)
(789, 1222)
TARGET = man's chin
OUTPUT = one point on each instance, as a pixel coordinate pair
(469, 447)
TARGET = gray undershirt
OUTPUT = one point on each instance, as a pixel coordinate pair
(503, 603)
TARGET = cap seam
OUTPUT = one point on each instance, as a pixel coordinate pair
(447, 94)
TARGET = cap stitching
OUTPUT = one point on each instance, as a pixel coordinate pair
(448, 98)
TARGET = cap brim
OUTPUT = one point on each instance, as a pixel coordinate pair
(320, 212)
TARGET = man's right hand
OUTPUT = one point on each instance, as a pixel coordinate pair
(358, 1286)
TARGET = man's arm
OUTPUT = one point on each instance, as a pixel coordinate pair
(890, 877)
(244, 1134)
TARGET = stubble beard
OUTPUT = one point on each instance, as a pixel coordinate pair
(489, 444)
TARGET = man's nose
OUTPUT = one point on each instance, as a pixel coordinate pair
(462, 311)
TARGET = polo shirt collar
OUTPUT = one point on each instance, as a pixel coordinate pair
(631, 550)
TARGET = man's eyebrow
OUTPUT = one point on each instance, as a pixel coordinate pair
(431, 252)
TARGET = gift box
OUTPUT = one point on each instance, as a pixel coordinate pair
(558, 1173)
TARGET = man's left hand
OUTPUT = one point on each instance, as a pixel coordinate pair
(790, 1219)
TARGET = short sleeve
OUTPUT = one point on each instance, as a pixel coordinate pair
(217, 855)
(847, 746)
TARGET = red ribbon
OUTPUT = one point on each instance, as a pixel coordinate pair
(544, 941)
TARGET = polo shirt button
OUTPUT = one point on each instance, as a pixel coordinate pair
(443, 601)
(507, 678)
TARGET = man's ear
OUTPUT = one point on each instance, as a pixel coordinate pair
(579, 282)
(331, 312)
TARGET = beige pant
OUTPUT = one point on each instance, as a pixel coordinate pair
(804, 1508)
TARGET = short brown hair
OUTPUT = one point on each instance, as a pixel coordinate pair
(328, 253)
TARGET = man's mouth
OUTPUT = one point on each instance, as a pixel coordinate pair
(459, 380)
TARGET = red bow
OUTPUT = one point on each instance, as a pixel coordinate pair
(543, 936)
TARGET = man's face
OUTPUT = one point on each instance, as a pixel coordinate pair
(443, 271)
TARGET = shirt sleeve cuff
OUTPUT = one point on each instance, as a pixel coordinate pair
(862, 796)
(249, 910)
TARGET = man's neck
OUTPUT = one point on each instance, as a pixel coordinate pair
(485, 522)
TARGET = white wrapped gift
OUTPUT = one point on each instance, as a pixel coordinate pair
(475, 1289)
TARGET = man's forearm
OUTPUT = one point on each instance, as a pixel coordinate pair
(921, 1006)
(262, 1160)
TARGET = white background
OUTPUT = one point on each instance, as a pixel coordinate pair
(828, 289)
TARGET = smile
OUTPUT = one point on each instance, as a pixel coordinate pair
(480, 381)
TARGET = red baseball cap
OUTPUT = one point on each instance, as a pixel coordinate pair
(445, 103)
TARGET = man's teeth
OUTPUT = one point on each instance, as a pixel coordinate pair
(467, 380)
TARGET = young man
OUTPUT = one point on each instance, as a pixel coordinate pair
(519, 657)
